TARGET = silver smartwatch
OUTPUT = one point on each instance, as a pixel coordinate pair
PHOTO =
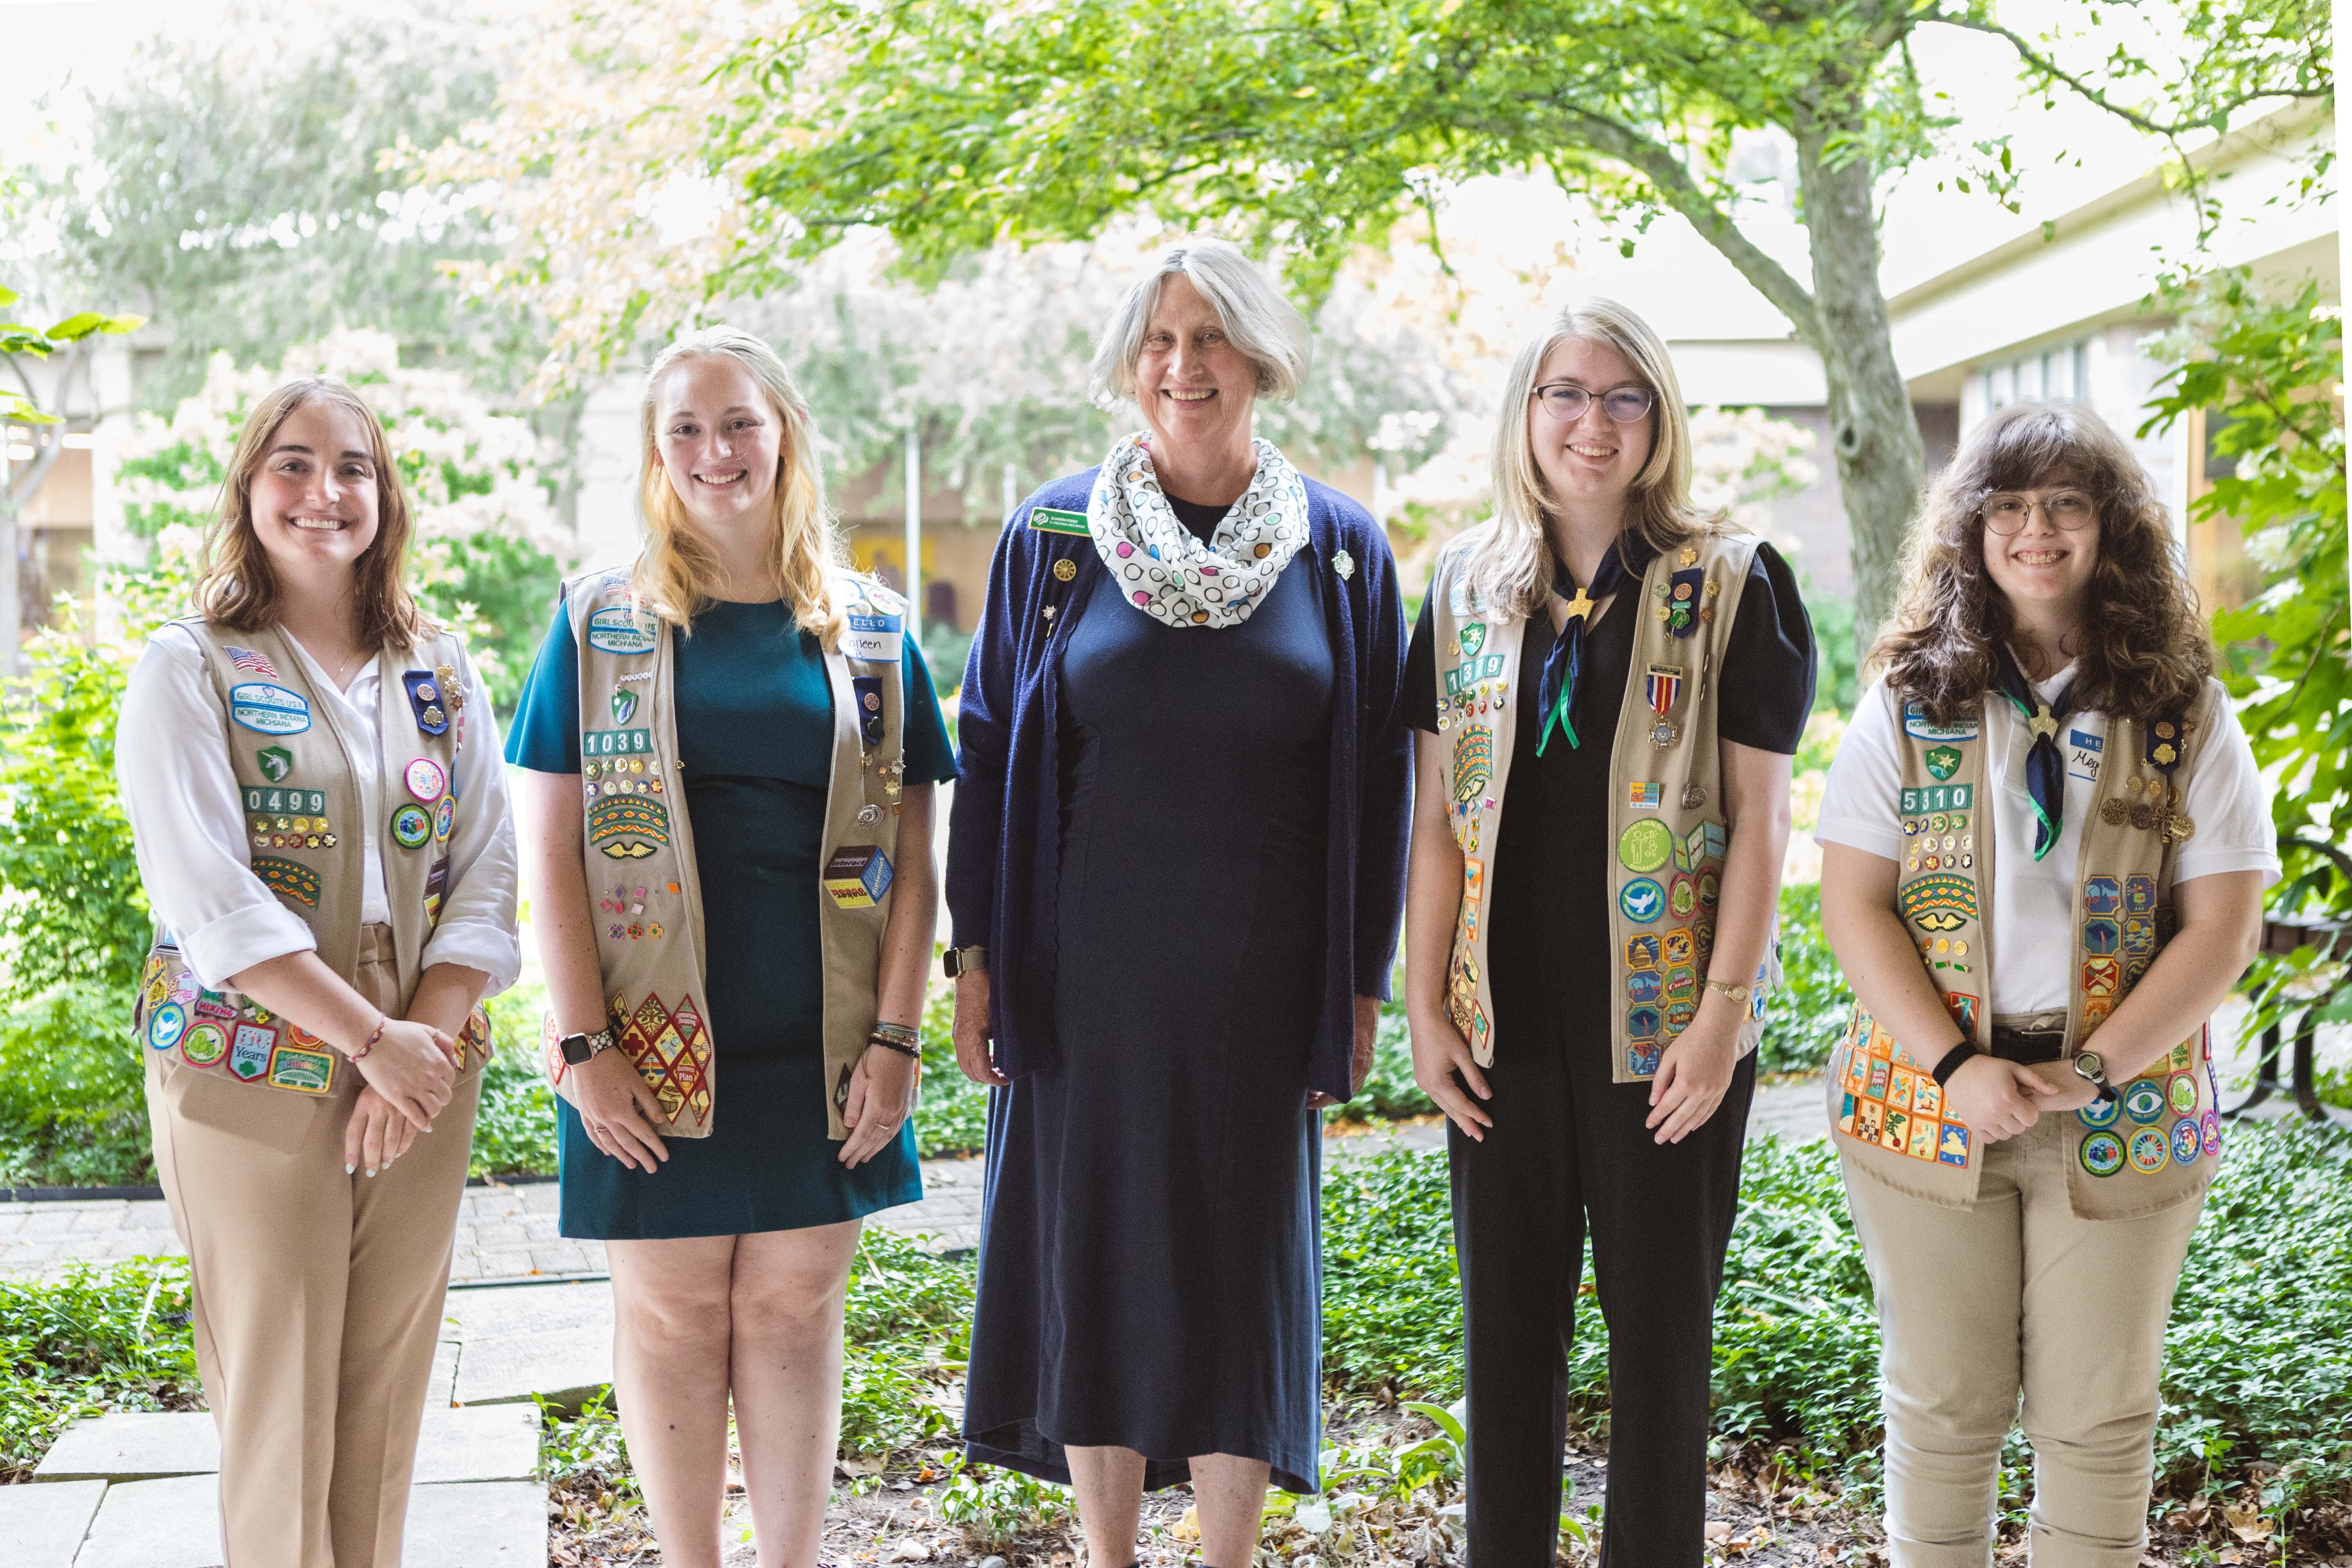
(2093, 1071)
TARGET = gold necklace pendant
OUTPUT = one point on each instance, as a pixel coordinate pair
(1579, 607)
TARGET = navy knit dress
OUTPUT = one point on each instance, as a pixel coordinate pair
(1150, 1277)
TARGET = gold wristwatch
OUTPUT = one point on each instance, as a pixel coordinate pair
(1737, 992)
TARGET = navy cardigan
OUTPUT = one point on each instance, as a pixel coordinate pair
(1004, 837)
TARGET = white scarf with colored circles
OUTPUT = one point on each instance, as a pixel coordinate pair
(1163, 569)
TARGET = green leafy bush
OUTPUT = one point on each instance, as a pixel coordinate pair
(73, 1105)
(908, 1331)
(97, 1340)
(951, 1115)
(1805, 1017)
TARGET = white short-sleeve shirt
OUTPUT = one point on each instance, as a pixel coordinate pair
(180, 791)
(2032, 899)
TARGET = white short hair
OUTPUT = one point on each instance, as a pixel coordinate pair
(1261, 324)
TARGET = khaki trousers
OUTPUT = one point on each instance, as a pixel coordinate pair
(1975, 1305)
(318, 1295)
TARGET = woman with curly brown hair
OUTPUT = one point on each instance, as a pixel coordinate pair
(2024, 1193)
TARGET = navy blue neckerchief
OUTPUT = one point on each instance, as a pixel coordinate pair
(1556, 692)
(2045, 767)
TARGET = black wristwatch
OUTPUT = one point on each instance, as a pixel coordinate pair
(959, 960)
(2093, 1071)
(580, 1049)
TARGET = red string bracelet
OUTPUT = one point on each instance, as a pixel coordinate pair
(382, 1024)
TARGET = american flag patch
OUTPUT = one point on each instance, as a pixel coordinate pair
(252, 663)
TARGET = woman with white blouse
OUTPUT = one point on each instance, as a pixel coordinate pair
(2044, 847)
(311, 772)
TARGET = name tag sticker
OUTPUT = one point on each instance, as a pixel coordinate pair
(872, 637)
(620, 629)
(271, 710)
(2083, 752)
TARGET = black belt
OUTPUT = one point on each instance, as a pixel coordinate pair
(2028, 1046)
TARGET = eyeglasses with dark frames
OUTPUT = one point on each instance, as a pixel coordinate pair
(1566, 402)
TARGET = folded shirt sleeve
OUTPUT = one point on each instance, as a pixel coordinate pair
(171, 764)
(2230, 804)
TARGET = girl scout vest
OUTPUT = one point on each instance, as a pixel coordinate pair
(2160, 1145)
(301, 804)
(639, 847)
(1665, 804)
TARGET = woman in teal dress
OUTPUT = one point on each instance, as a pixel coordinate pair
(730, 1250)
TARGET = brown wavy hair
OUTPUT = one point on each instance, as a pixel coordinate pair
(236, 589)
(2143, 654)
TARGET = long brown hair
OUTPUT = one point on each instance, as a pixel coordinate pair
(236, 589)
(2145, 653)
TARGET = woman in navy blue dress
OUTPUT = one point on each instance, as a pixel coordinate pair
(1175, 875)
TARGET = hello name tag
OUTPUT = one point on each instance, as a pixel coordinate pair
(873, 636)
(271, 709)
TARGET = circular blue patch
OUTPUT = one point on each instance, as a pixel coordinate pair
(2102, 1154)
(164, 1025)
(411, 827)
(1642, 901)
(2187, 1140)
(2143, 1101)
(2101, 1112)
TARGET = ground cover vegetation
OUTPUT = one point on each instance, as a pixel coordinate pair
(2254, 1445)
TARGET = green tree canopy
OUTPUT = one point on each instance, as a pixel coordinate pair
(1312, 126)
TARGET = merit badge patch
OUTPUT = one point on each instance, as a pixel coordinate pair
(2143, 1100)
(1645, 846)
(1644, 985)
(2101, 935)
(623, 704)
(1642, 953)
(165, 1024)
(2139, 895)
(1053, 520)
(2102, 895)
(858, 876)
(412, 824)
(248, 1050)
(2186, 1141)
(444, 818)
(203, 1045)
(1474, 763)
(617, 628)
(2150, 1151)
(290, 878)
(307, 1072)
(2099, 1113)
(1642, 901)
(2182, 1095)
(1473, 639)
(1916, 724)
(277, 762)
(425, 697)
(2102, 1153)
(628, 826)
(271, 710)
(424, 780)
(1942, 761)
(437, 885)
(1963, 1009)
(1942, 902)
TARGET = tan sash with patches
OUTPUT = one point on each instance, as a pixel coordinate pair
(2161, 1144)
(300, 798)
(1666, 795)
(638, 847)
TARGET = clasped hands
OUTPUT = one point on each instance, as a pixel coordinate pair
(1996, 1099)
(408, 1075)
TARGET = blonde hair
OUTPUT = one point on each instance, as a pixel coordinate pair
(1260, 323)
(235, 586)
(674, 572)
(1506, 562)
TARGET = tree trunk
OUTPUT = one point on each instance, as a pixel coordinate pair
(1881, 464)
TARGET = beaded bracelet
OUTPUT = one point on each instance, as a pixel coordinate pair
(897, 1037)
(382, 1024)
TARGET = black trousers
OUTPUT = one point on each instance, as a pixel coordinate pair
(1567, 1152)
